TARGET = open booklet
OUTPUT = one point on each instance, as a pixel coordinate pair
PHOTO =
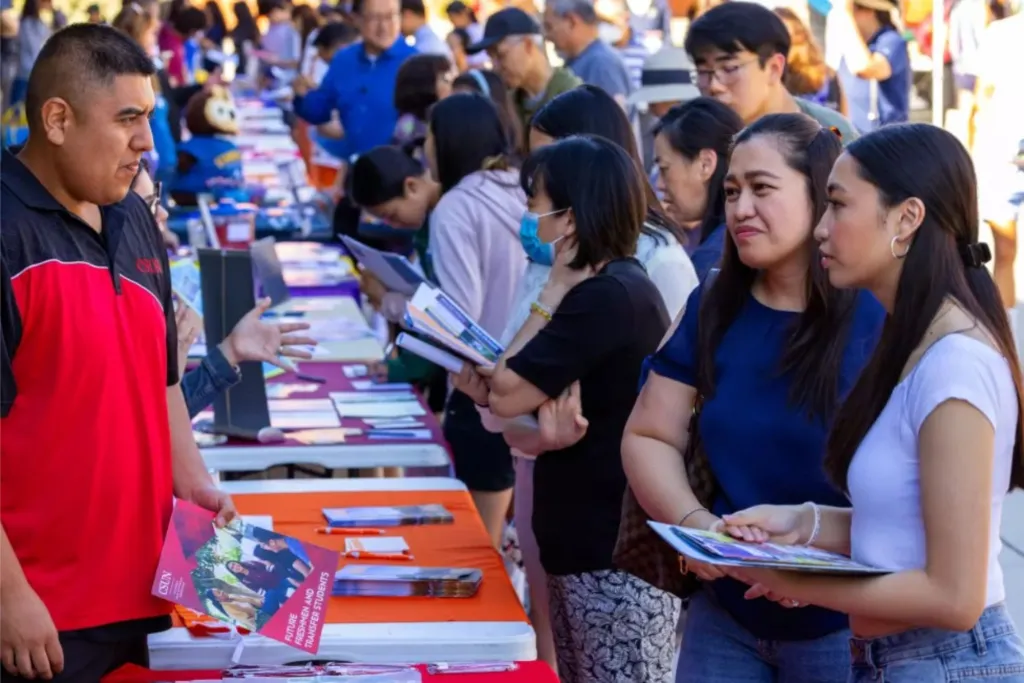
(433, 314)
(718, 549)
(393, 270)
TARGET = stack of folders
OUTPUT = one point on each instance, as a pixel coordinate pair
(399, 582)
(387, 516)
(377, 404)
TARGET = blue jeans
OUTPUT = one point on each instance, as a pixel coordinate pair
(992, 650)
(716, 649)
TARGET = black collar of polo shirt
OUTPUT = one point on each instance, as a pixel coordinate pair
(24, 185)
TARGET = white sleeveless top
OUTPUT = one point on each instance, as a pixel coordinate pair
(884, 478)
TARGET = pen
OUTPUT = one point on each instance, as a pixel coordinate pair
(310, 378)
(364, 555)
(351, 531)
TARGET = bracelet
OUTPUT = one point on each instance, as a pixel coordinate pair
(540, 310)
(816, 529)
(692, 513)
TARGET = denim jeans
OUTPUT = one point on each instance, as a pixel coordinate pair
(991, 651)
(716, 649)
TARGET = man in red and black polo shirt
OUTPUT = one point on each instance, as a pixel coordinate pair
(96, 436)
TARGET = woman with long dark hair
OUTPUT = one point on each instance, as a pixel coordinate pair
(929, 440)
(691, 149)
(489, 84)
(245, 35)
(768, 347)
(32, 34)
(478, 261)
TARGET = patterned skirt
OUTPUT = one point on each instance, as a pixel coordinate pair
(611, 627)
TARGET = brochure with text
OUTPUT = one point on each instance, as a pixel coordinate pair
(393, 270)
(246, 575)
(399, 515)
(186, 283)
(431, 312)
(718, 549)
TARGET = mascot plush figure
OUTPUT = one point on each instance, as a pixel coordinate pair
(209, 161)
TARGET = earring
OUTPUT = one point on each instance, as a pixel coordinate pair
(892, 248)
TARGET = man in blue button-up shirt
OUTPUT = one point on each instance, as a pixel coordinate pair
(360, 82)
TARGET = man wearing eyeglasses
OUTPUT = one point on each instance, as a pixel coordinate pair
(740, 50)
(360, 86)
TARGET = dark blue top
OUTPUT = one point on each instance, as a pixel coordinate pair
(761, 448)
(709, 252)
(362, 89)
(893, 93)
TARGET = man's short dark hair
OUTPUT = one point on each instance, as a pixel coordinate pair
(190, 20)
(736, 26)
(416, 7)
(79, 59)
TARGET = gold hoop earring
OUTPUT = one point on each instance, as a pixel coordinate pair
(892, 248)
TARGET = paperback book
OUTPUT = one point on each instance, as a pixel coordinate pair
(722, 550)
(400, 515)
(246, 575)
(386, 581)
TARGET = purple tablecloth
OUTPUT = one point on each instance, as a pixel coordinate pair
(348, 287)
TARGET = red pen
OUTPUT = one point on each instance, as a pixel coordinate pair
(352, 531)
(364, 555)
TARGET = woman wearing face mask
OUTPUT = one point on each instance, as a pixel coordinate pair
(691, 148)
(584, 110)
(478, 261)
(929, 441)
(770, 348)
(593, 323)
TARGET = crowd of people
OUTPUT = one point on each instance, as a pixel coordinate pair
(737, 292)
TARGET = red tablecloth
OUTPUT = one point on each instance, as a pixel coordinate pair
(528, 672)
(337, 381)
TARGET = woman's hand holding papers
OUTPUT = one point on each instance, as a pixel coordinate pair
(784, 524)
(561, 420)
(472, 383)
(254, 339)
(189, 325)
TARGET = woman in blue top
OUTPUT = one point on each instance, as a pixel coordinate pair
(691, 148)
(771, 347)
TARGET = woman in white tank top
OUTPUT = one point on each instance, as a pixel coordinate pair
(928, 442)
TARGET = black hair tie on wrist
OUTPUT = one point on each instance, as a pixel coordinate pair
(975, 255)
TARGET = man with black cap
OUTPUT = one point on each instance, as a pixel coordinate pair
(515, 45)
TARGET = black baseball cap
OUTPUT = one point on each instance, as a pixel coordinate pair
(510, 21)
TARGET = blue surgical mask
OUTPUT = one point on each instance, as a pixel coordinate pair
(537, 251)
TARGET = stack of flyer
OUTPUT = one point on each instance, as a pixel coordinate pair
(454, 336)
(325, 673)
(385, 581)
(726, 551)
(387, 516)
(247, 576)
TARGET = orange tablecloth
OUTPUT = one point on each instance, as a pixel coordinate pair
(462, 544)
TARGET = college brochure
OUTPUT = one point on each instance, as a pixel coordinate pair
(431, 312)
(398, 515)
(718, 549)
(388, 581)
(429, 352)
(393, 270)
(246, 575)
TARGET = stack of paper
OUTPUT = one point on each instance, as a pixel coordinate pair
(433, 314)
(393, 581)
(312, 413)
(374, 404)
(387, 516)
(318, 673)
